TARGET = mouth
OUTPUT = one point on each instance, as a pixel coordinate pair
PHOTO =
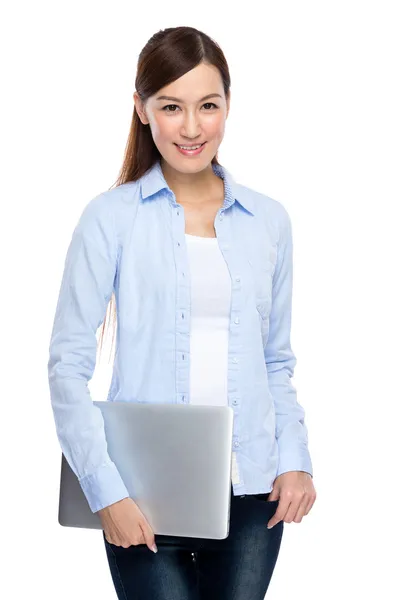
(190, 150)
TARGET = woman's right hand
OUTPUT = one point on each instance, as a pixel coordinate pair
(125, 525)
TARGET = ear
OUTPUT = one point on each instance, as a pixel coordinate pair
(228, 103)
(140, 108)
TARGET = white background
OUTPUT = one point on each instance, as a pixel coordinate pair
(314, 123)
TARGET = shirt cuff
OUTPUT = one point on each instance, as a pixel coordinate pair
(103, 487)
(295, 462)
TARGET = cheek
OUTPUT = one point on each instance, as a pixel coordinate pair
(215, 128)
(162, 129)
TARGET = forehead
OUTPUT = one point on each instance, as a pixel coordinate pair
(194, 85)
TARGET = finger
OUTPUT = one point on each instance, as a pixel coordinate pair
(309, 506)
(149, 536)
(301, 511)
(141, 539)
(279, 513)
(293, 509)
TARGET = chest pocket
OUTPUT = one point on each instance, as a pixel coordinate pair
(262, 261)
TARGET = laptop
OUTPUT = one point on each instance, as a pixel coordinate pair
(175, 460)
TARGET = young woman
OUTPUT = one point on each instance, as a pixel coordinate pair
(200, 268)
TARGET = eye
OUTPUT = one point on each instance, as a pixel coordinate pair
(168, 106)
(173, 111)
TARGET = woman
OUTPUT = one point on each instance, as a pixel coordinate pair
(201, 270)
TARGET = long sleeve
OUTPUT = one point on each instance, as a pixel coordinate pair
(86, 288)
(291, 431)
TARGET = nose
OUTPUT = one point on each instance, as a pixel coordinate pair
(191, 128)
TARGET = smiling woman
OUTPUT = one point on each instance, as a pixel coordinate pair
(201, 271)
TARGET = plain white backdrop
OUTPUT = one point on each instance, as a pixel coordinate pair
(314, 123)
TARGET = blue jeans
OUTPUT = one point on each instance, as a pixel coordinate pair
(238, 567)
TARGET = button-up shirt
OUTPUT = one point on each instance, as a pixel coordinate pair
(130, 240)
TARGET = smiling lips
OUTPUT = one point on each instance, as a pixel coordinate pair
(185, 150)
(190, 146)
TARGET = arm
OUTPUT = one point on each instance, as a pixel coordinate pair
(85, 291)
(291, 431)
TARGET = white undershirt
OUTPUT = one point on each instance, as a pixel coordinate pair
(210, 315)
(209, 328)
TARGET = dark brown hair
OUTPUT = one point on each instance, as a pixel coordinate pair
(169, 54)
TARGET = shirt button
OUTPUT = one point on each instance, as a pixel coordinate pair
(235, 360)
(179, 244)
(177, 212)
(238, 279)
(183, 316)
(220, 217)
(236, 444)
(237, 321)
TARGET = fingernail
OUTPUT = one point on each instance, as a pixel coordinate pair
(154, 548)
(269, 526)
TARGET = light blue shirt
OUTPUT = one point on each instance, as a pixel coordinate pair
(131, 240)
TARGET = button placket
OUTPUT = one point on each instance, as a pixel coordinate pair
(182, 360)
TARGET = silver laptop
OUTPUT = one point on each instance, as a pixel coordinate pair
(175, 460)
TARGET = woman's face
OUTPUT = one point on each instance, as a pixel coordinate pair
(187, 118)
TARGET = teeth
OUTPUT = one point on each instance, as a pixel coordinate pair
(189, 147)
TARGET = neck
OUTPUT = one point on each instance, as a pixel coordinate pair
(192, 187)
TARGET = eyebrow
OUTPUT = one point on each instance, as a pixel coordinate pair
(178, 100)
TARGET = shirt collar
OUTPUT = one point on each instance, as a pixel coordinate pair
(153, 181)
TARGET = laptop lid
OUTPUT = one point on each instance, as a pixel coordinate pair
(175, 460)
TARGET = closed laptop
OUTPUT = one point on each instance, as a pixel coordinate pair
(175, 460)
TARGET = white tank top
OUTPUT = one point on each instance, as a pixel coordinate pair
(209, 329)
(210, 315)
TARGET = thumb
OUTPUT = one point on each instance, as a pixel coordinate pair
(149, 537)
(274, 495)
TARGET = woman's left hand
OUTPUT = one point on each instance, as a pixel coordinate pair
(296, 493)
